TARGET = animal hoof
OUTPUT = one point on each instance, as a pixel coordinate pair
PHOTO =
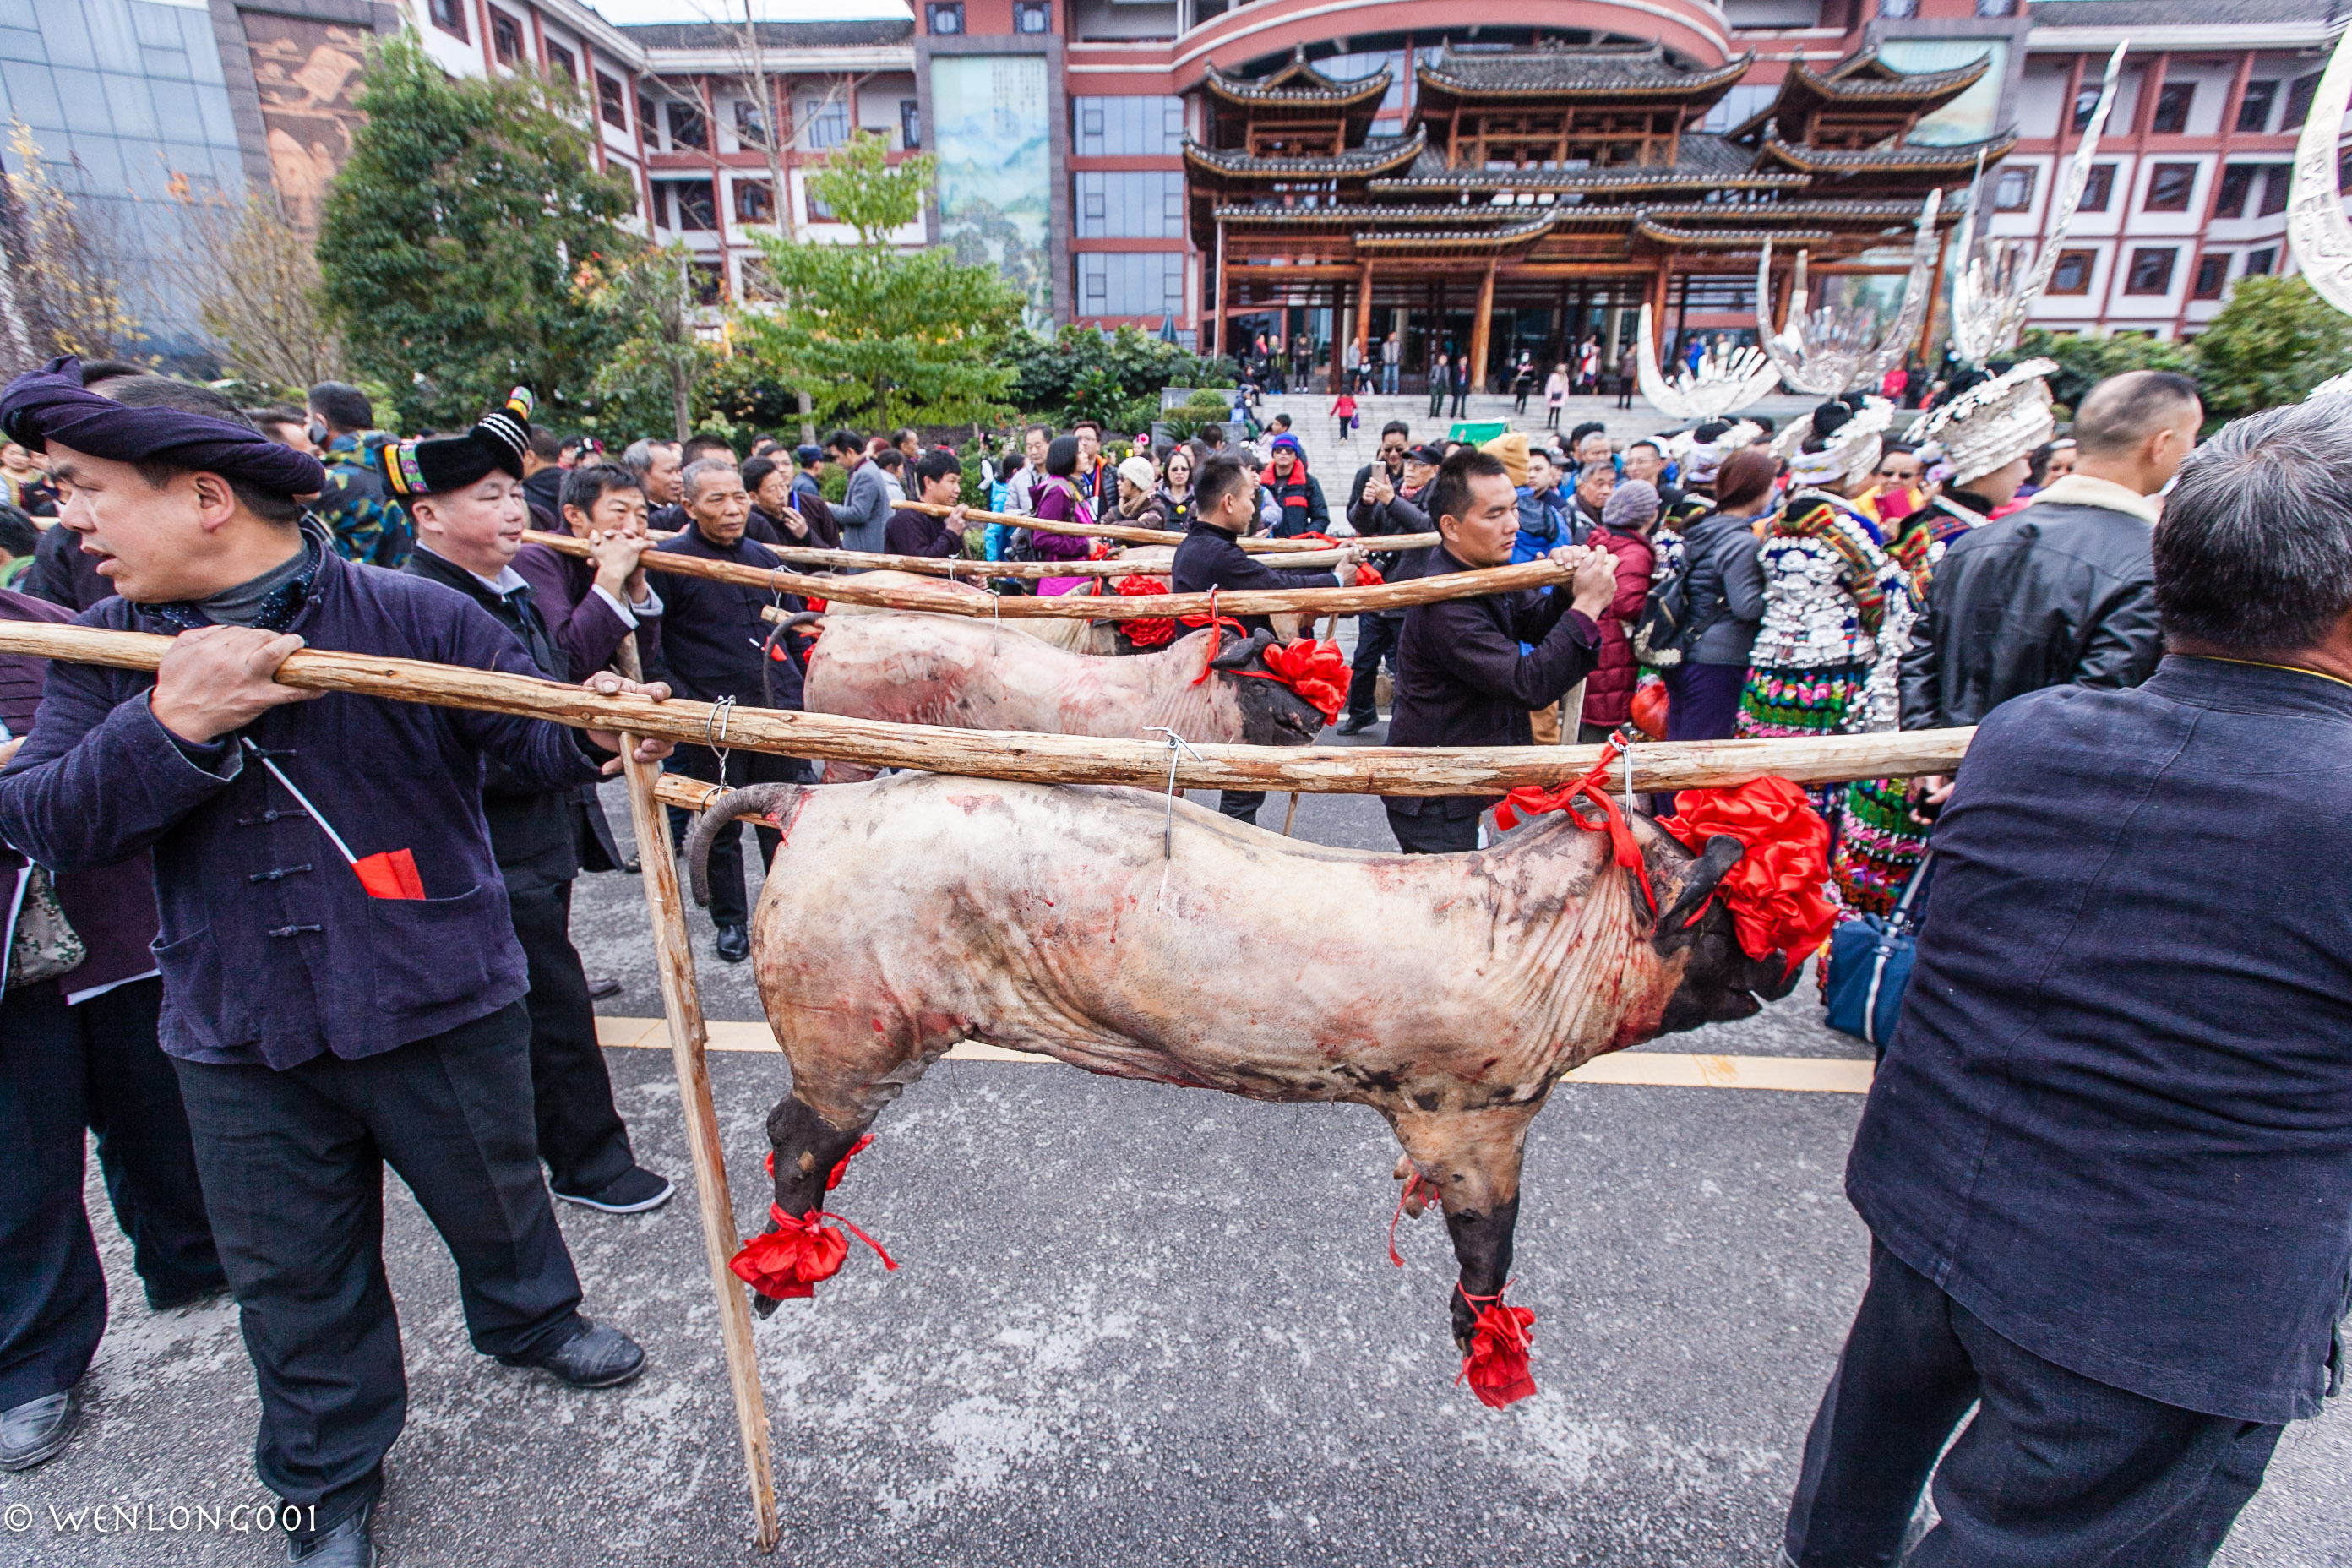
(765, 1307)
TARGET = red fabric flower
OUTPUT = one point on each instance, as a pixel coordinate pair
(785, 1264)
(1150, 632)
(1497, 1367)
(1316, 671)
(1774, 893)
(1368, 575)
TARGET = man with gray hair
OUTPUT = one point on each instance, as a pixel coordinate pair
(658, 465)
(2106, 1163)
(2061, 591)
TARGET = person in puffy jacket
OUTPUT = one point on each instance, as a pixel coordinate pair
(1624, 532)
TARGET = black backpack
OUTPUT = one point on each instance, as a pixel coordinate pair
(1664, 634)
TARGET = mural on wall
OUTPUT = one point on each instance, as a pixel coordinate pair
(989, 131)
(306, 72)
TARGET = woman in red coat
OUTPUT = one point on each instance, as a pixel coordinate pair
(1624, 532)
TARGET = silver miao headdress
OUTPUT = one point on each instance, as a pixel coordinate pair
(1852, 451)
(1992, 424)
(2316, 232)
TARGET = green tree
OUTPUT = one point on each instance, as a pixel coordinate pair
(2272, 342)
(872, 333)
(1114, 376)
(2084, 361)
(646, 299)
(449, 245)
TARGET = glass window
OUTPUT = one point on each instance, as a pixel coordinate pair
(1149, 205)
(824, 123)
(2151, 271)
(611, 104)
(687, 126)
(2014, 191)
(2274, 187)
(449, 16)
(1898, 10)
(648, 124)
(910, 124)
(2237, 183)
(1130, 283)
(2212, 272)
(560, 62)
(506, 38)
(754, 201)
(709, 281)
(690, 199)
(2172, 107)
(751, 124)
(1032, 16)
(1996, 7)
(2072, 273)
(1146, 126)
(2260, 262)
(943, 17)
(2254, 108)
(2298, 102)
(2086, 99)
(2170, 186)
(2099, 189)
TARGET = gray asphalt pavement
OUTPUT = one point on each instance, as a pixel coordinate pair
(1131, 1325)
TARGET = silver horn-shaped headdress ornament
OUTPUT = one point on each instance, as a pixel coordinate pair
(1724, 381)
(1832, 351)
(2317, 231)
(1988, 302)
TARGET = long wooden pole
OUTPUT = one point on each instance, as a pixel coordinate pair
(1260, 544)
(688, 1040)
(1064, 607)
(955, 567)
(1049, 759)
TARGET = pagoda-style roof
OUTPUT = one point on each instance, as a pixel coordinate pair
(1748, 216)
(1677, 238)
(1859, 89)
(1296, 82)
(1381, 157)
(1702, 162)
(1628, 74)
(1463, 241)
(1908, 164)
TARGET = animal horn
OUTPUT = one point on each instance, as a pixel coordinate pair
(761, 800)
(1237, 654)
(1721, 853)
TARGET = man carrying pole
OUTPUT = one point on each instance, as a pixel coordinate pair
(341, 984)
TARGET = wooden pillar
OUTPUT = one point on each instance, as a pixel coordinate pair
(1364, 320)
(1616, 328)
(1481, 328)
(1935, 297)
(1217, 310)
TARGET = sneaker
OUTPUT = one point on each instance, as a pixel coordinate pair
(634, 1191)
(602, 986)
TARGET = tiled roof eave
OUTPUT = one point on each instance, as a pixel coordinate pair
(1667, 85)
(1895, 160)
(1234, 164)
(1371, 89)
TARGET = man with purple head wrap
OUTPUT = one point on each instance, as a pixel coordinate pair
(321, 1021)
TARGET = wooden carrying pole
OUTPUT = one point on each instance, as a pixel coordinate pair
(1259, 544)
(953, 566)
(1107, 607)
(1052, 759)
(689, 1039)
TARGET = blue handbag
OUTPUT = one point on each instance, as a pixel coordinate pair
(1870, 965)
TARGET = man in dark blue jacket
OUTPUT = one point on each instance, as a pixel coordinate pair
(2107, 1161)
(719, 649)
(320, 1027)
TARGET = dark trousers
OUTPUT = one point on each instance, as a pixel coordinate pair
(293, 1171)
(1461, 398)
(1375, 639)
(1431, 832)
(2056, 1470)
(1436, 401)
(730, 905)
(581, 1135)
(65, 1071)
(1241, 805)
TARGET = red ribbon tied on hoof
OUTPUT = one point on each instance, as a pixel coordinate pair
(1497, 1367)
(1150, 632)
(1316, 671)
(1774, 893)
(786, 1263)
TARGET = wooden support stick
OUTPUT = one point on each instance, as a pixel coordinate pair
(689, 1038)
(1258, 544)
(1052, 759)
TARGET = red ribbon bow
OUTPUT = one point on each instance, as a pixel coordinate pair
(1497, 1367)
(1316, 671)
(1774, 893)
(1532, 800)
(1150, 632)
(1367, 575)
(803, 1251)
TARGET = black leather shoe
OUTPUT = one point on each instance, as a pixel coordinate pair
(734, 944)
(633, 866)
(350, 1544)
(38, 1431)
(1354, 724)
(599, 1356)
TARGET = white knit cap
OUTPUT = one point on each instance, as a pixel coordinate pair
(1994, 423)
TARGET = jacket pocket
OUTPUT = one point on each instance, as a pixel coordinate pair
(429, 952)
(218, 1013)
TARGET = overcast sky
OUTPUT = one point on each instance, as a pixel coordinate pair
(625, 12)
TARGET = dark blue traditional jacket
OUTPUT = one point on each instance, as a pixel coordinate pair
(2115, 1122)
(271, 951)
(713, 637)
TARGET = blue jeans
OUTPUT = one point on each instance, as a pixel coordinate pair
(2056, 1470)
(1389, 379)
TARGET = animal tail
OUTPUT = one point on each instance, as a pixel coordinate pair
(755, 800)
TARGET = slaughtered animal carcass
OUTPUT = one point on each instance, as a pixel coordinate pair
(1449, 993)
(909, 667)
